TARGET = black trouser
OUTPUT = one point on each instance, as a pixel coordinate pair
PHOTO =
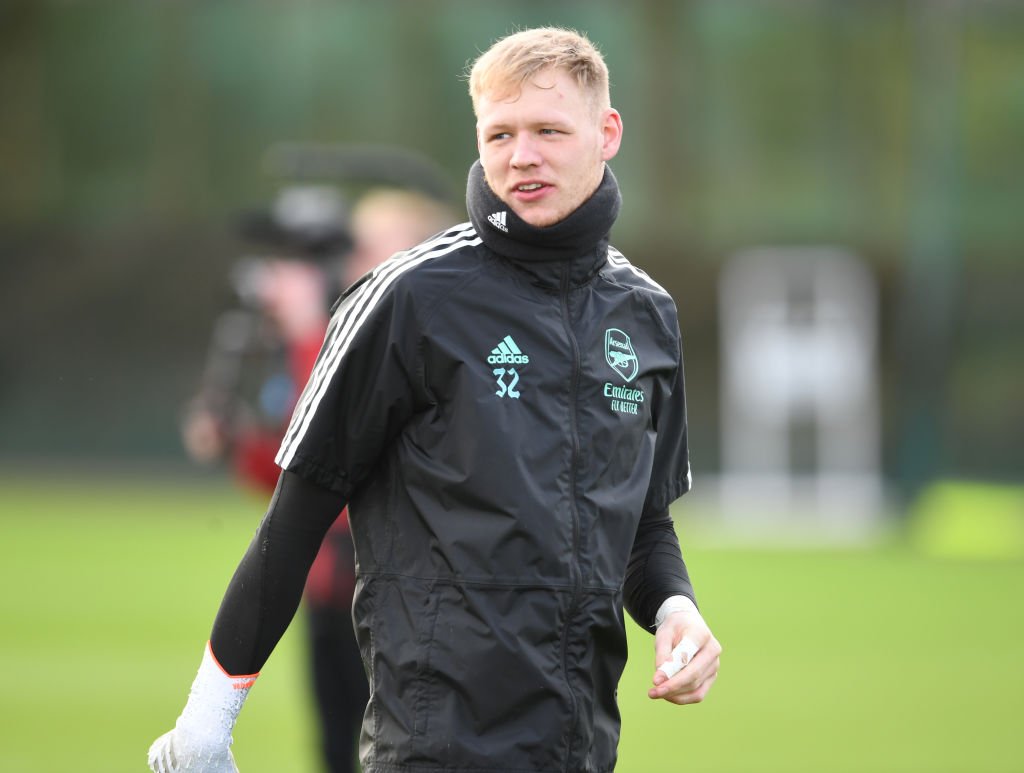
(339, 685)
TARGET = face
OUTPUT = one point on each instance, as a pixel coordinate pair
(379, 234)
(543, 150)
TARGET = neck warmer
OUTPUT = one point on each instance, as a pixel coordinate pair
(582, 234)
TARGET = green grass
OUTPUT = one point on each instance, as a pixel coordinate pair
(837, 660)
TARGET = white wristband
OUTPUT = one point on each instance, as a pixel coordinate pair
(214, 701)
(673, 604)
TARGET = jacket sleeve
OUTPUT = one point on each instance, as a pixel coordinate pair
(366, 384)
(656, 569)
(670, 474)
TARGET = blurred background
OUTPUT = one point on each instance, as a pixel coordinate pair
(833, 192)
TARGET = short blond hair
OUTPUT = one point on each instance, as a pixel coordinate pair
(513, 60)
(420, 214)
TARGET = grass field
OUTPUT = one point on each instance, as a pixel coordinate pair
(837, 660)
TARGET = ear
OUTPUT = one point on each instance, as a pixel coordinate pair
(478, 139)
(611, 133)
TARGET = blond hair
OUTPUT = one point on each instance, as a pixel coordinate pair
(513, 60)
(420, 214)
(388, 220)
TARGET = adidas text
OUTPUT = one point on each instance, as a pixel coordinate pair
(504, 359)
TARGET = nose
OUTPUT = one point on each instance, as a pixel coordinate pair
(524, 153)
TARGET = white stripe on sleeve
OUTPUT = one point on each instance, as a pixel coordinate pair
(350, 317)
(619, 260)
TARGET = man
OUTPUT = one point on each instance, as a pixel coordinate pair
(502, 407)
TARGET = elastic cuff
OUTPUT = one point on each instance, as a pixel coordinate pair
(240, 682)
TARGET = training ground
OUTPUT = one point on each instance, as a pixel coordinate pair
(878, 658)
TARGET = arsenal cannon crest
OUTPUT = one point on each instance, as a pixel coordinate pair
(618, 352)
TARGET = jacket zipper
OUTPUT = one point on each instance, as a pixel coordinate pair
(575, 567)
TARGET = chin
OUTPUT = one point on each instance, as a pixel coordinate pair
(541, 219)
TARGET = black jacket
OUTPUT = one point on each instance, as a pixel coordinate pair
(501, 405)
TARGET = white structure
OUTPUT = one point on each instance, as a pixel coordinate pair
(800, 417)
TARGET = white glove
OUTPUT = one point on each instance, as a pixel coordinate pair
(176, 751)
(201, 739)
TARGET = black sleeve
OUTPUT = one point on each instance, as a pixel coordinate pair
(656, 569)
(266, 589)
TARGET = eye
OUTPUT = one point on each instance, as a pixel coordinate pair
(499, 136)
(550, 131)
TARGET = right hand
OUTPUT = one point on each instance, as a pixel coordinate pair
(204, 436)
(181, 752)
(201, 739)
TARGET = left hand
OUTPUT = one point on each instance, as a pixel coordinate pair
(693, 681)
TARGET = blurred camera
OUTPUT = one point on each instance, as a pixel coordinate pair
(304, 222)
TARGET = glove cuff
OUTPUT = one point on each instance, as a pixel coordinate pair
(214, 702)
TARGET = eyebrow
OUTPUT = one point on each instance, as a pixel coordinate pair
(544, 122)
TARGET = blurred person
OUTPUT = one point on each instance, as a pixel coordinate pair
(262, 352)
(502, 407)
(291, 292)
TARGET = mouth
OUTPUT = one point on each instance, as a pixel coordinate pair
(530, 190)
